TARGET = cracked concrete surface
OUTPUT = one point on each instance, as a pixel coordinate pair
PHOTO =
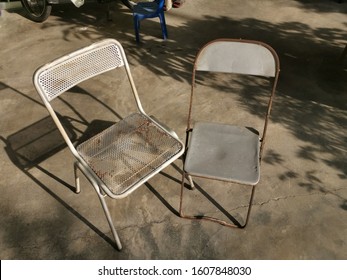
(300, 204)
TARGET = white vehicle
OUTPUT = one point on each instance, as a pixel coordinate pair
(39, 10)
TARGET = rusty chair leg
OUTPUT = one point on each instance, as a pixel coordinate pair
(234, 224)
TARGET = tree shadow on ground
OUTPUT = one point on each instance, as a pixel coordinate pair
(330, 6)
(311, 101)
(312, 86)
(309, 55)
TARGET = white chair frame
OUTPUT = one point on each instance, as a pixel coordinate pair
(55, 78)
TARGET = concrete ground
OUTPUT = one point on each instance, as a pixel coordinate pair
(300, 204)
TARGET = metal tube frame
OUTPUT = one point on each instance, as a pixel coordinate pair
(101, 195)
(262, 139)
(212, 219)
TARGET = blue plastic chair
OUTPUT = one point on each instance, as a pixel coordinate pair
(145, 10)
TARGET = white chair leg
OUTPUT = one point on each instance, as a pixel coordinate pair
(77, 178)
(191, 182)
(109, 220)
(101, 196)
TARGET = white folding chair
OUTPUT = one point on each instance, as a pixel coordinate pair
(124, 156)
(222, 151)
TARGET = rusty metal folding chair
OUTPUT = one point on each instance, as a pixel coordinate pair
(221, 151)
(124, 156)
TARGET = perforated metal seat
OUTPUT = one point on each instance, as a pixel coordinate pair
(122, 157)
(128, 151)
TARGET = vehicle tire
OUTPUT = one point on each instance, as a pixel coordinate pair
(37, 10)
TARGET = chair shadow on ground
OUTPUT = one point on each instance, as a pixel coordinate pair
(31, 146)
(34, 144)
(207, 196)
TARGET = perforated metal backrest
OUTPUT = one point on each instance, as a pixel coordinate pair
(239, 57)
(57, 77)
(236, 56)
